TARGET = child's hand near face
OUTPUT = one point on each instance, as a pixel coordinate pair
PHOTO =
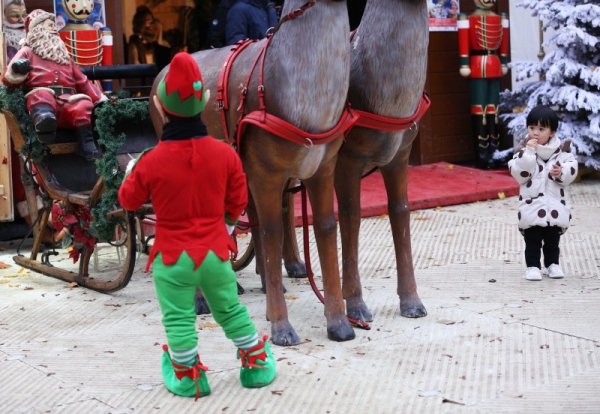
(532, 143)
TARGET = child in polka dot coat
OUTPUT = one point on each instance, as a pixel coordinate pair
(544, 169)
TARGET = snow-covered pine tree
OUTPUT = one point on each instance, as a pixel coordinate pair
(569, 73)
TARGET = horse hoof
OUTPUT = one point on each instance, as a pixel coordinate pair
(296, 270)
(284, 337)
(340, 331)
(413, 311)
(359, 311)
(201, 306)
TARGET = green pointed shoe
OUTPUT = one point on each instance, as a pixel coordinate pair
(258, 365)
(183, 380)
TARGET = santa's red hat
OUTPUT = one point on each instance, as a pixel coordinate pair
(181, 93)
(36, 17)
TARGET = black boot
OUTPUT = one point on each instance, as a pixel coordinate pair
(44, 119)
(493, 139)
(47, 138)
(481, 141)
(87, 146)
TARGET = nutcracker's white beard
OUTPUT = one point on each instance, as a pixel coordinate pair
(47, 45)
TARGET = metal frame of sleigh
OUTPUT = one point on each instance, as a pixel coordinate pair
(59, 176)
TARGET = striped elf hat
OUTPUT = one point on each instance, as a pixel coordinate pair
(181, 92)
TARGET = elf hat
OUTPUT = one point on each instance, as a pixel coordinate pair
(36, 17)
(181, 91)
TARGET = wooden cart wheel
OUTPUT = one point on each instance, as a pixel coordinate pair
(245, 251)
(110, 265)
(245, 245)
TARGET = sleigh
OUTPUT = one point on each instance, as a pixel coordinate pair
(62, 186)
(60, 181)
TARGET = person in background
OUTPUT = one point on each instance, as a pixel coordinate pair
(13, 26)
(198, 190)
(544, 169)
(144, 44)
(249, 19)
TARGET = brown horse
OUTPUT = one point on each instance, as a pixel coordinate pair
(306, 77)
(387, 77)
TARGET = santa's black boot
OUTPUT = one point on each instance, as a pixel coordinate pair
(44, 121)
(87, 146)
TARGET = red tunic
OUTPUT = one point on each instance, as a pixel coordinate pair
(483, 39)
(193, 184)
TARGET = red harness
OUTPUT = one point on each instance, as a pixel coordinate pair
(385, 123)
(260, 117)
(282, 128)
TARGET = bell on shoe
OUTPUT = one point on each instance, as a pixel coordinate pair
(533, 273)
(183, 380)
(555, 272)
(258, 365)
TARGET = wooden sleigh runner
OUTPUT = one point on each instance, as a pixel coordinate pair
(60, 177)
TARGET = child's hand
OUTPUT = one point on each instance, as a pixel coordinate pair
(556, 170)
(532, 143)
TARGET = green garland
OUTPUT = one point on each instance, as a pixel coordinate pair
(13, 100)
(106, 117)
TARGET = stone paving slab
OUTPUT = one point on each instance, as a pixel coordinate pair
(491, 343)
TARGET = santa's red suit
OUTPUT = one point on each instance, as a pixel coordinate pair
(62, 87)
(58, 94)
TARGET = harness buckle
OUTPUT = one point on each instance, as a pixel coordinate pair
(261, 88)
(220, 104)
(309, 143)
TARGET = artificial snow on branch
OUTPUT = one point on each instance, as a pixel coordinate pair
(569, 77)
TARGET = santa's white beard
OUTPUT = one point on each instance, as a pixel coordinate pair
(47, 45)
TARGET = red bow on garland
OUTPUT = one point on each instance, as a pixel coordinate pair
(76, 221)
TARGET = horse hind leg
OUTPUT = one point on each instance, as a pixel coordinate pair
(347, 187)
(294, 267)
(320, 190)
(395, 177)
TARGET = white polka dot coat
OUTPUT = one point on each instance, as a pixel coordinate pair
(544, 200)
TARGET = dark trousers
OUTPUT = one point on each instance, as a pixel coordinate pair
(541, 238)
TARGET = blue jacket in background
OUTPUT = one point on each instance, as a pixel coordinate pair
(249, 19)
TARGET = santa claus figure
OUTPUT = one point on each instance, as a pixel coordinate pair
(58, 94)
(483, 48)
(13, 25)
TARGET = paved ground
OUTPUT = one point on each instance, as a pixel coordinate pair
(492, 342)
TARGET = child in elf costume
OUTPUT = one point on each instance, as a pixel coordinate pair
(198, 190)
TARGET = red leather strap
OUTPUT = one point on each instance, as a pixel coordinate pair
(284, 129)
(222, 97)
(384, 123)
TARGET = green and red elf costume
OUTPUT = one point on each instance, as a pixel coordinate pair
(483, 48)
(198, 190)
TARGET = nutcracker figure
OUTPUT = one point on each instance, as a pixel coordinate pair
(88, 45)
(483, 48)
